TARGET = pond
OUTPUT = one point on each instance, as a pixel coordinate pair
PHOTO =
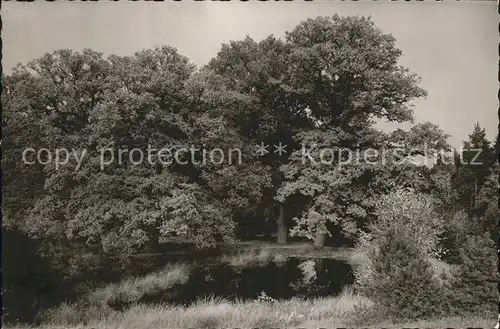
(293, 277)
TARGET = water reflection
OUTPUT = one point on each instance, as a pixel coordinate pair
(293, 278)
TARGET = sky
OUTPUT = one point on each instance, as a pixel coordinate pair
(451, 45)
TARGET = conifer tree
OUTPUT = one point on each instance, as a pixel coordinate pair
(475, 284)
(477, 159)
(402, 283)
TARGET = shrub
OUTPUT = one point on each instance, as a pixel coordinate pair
(414, 217)
(402, 283)
(475, 285)
(416, 222)
(458, 226)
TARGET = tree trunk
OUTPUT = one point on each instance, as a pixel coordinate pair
(282, 230)
(154, 241)
(318, 267)
(267, 231)
(319, 240)
(248, 225)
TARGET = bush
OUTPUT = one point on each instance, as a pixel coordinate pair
(475, 285)
(413, 215)
(416, 222)
(402, 283)
(458, 226)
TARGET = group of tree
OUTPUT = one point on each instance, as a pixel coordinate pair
(405, 275)
(323, 86)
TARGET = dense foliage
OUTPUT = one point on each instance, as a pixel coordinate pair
(152, 99)
(305, 89)
(319, 92)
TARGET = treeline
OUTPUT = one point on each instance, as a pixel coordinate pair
(321, 87)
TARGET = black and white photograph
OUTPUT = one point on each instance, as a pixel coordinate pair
(250, 164)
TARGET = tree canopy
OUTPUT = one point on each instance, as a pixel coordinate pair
(319, 92)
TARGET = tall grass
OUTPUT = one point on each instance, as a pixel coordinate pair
(213, 313)
(100, 304)
(331, 312)
(132, 290)
(122, 294)
(445, 322)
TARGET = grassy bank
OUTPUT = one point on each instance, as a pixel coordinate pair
(333, 312)
(133, 290)
(212, 313)
(345, 310)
